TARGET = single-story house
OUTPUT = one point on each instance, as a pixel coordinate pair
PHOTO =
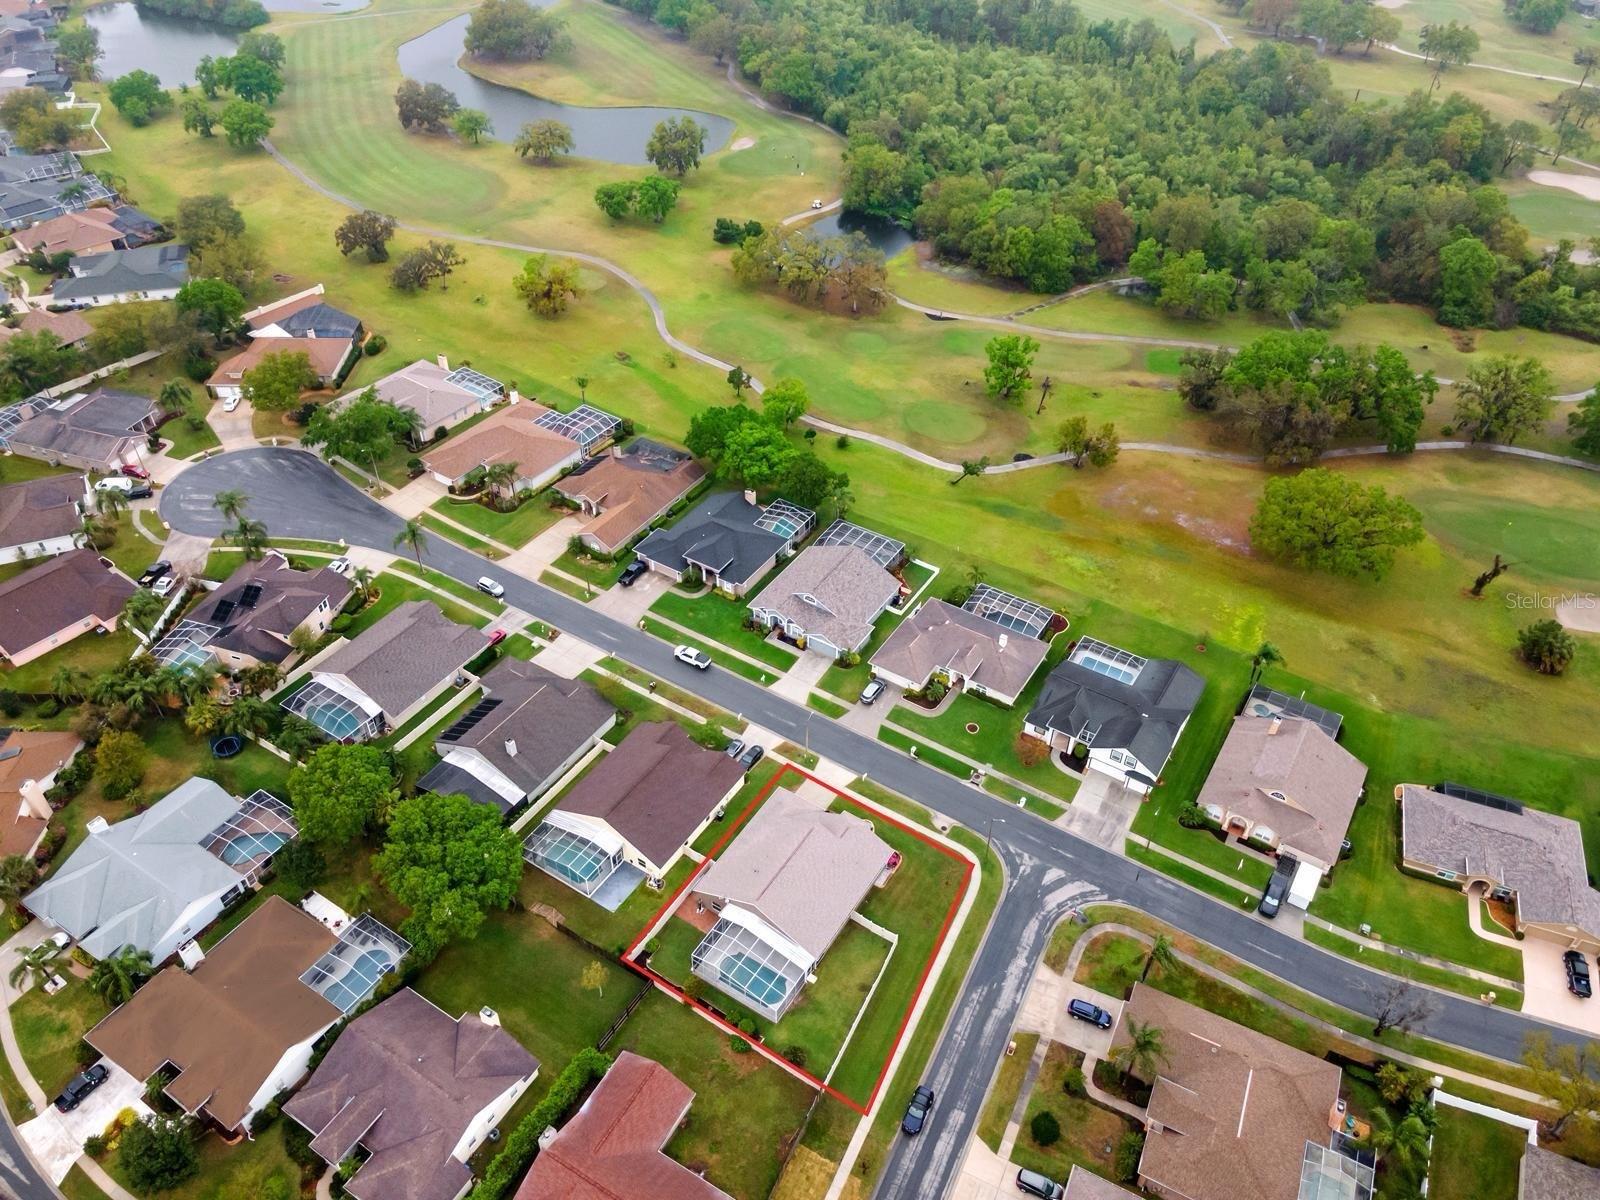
(42, 517)
(303, 315)
(783, 892)
(412, 1091)
(634, 814)
(254, 615)
(1284, 784)
(48, 605)
(827, 599)
(388, 673)
(29, 762)
(527, 732)
(122, 276)
(960, 647)
(622, 492)
(1124, 711)
(155, 879)
(240, 1022)
(1529, 859)
(510, 434)
(96, 230)
(614, 1147)
(729, 539)
(1083, 1184)
(69, 328)
(328, 358)
(102, 430)
(1235, 1114)
(25, 201)
(1546, 1175)
(439, 396)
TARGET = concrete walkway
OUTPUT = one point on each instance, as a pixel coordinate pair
(1475, 921)
(1100, 1096)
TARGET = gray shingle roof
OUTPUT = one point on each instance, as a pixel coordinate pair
(96, 427)
(131, 883)
(321, 321)
(142, 269)
(407, 653)
(283, 598)
(1536, 854)
(1144, 716)
(941, 637)
(831, 592)
(38, 509)
(58, 595)
(718, 534)
(1550, 1176)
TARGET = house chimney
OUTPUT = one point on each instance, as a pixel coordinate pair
(444, 363)
(511, 747)
(514, 396)
(749, 496)
(1277, 724)
(1002, 641)
(488, 1016)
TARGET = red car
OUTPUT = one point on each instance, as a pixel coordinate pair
(133, 471)
(498, 636)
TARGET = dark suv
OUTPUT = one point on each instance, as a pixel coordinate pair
(81, 1085)
(917, 1111)
(1092, 1013)
(1578, 981)
(1277, 886)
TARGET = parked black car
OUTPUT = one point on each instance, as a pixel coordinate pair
(1092, 1013)
(1277, 886)
(631, 573)
(142, 491)
(751, 756)
(80, 1086)
(917, 1111)
(154, 572)
(1578, 981)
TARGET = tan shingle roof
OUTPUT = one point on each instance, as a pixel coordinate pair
(324, 354)
(629, 495)
(831, 592)
(58, 595)
(1550, 1176)
(941, 637)
(506, 435)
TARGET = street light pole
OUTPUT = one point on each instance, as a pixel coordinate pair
(988, 835)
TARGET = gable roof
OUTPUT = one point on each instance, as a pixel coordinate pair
(510, 434)
(720, 535)
(938, 636)
(263, 602)
(1231, 1110)
(97, 425)
(802, 869)
(1083, 1184)
(612, 1148)
(831, 592)
(1144, 716)
(546, 717)
(57, 595)
(1288, 774)
(308, 316)
(630, 487)
(71, 233)
(32, 754)
(37, 510)
(429, 390)
(69, 327)
(255, 1009)
(131, 883)
(405, 654)
(655, 789)
(142, 269)
(325, 354)
(1536, 854)
(403, 1082)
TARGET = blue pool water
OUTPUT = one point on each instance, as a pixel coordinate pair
(247, 846)
(756, 980)
(355, 984)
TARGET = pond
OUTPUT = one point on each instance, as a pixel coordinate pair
(615, 135)
(885, 235)
(167, 47)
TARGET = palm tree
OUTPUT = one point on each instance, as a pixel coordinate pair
(230, 504)
(175, 396)
(35, 964)
(1145, 1051)
(261, 678)
(106, 687)
(249, 536)
(111, 502)
(412, 538)
(248, 716)
(172, 683)
(362, 577)
(501, 476)
(116, 977)
(67, 683)
(1405, 1140)
(17, 875)
(197, 681)
(1266, 655)
(409, 421)
(1161, 955)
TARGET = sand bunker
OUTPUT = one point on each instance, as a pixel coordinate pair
(743, 143)
(1587, 186)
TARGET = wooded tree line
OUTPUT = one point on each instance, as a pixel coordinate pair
(1043, 147)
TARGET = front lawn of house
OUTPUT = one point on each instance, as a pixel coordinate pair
(515, 528)
(258, 1167)
(49, 1028)
(723, 659)
(188, 442)
(1089, 1132)
(446, 583)
(394, 590)
(722, 620)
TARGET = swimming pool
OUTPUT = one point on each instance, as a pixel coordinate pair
(355, 983)
(245, 847)
(755, 979)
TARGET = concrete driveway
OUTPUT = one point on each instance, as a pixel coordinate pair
(631, 603)
(1044, 1011)
(1544, 988)
(56, 1139)
(1102, 812)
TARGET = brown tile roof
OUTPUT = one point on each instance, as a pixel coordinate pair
(1289, 775)
(30, 754)
(506, 435)
(39, 509)
(1536, 854)
(58, 595)
(612, 1150)
(941, 637)
(325, 355)
(655, 789)
(70, 327)
(20, 834)
(403, 1082)
(253, 1005)
(91, 231)
(630, 490)
(1232, 1109)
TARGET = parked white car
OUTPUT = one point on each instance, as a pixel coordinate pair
(340, 566)
(698, 659)
(490, 587)
(231, 403)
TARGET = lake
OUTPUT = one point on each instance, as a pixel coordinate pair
(885, 235)
(167, 47)
(615, 135)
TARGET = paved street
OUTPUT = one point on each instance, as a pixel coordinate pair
(296, 495)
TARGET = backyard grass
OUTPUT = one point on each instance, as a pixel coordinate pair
(1007, 1088)
(88, 652)
(49, 1028)
(1395, 964)
(722, 621)
(730, 662)
(515, 528)
(1474, 1157)
(1089, 1133)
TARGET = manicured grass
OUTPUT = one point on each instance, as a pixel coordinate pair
(1048, 809)
(1474, 1157)
(187, 442)
(447, 704)
(1007, 1087)
(1547, 546)
(566, 587)
(718, 655)
(247, 1169)
(49, 1028)
(88, 652)
(705, 709)
(826, 707)
(1087, 1129)
(446, 583)
(602, 573)
(1394, 964)
(130, 550)
(1195, 879)
(745, 1112)
(924, 752)
(461, 538)
(78, 1186)
(516, 528)
(394, 590)
(722, 621)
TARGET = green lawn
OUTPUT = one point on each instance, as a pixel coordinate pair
(515, 528)
(129, 549)
(1087, 1129)
(825, 706)
(88, 652)
(394, 590)
(462, 591)
(995, 742)
(1474, 1157)
(1007, 1088)
(721, 657)
(187, 442)
(924, 752)
(49, 1028)
(599, 572)
(451, 534)
(704, 709)
(227, 1172)
(1182, 871)
(722, 621)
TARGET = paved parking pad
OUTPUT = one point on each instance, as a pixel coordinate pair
(56, 1139)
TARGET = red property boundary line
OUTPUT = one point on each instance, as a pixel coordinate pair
(761, 1048)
